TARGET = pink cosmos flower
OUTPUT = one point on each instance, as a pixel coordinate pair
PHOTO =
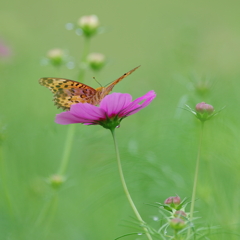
(113, 108)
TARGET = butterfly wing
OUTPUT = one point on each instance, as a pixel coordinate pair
(67, 92)
(111, 86)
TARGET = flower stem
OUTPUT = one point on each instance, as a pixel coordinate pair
(53, 205)
(71, 128)
(67, 149)
(196, 177)
(48, 211)
(175, 235)
(125, 187)
(83, 62)
(3, 175)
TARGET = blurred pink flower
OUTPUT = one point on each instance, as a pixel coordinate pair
(4, 50)
(113, 108)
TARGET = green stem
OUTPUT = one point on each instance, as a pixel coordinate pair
(71, 128)
(175, 235)
(51, 213)
(196, 177)
(47, 213)
(3, 181)
(67, 149)
(125, 187)
(83, 62)
(51, 208)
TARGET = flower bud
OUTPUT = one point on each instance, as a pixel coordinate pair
(96, 60)
(173, 200)
(177, 223)
(204, 111)
(56, 180)
(180, 214)
(56, 56)
(202, 87)
(204, 107)
(89, 25)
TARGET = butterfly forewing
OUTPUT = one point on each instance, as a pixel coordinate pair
(111, 86)
(67, 92)
(54, 84)
(125, 75)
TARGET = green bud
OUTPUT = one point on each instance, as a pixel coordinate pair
(173, 202)
(96, 61)
(56, 181)
(89, 25)
(202, 87)
(180, 214)
(56, 56)
(204, 111)
(177, 224)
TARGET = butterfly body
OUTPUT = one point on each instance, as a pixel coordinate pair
(67, 92)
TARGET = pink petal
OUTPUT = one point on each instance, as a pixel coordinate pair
(87, 111)
(134, 107)
(67, 118)
(112, 104)
(80, 113)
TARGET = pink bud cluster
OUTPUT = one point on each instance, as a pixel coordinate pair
(204, 107)
(175, 200)
(177, 220)
(204, 111)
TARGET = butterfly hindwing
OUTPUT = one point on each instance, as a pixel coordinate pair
(65, 101)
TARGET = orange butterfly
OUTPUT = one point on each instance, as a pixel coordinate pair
(67, 92)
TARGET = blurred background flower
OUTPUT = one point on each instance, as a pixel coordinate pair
(56, 56)
(5, 51)
(89, 25)
(96, 61)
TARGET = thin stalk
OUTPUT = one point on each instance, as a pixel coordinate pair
(71, 128)
(175, 235)
(196, 177)
(41, 215)
(4, 181)
(83, 62)
(51, 213)
(67, 149)
(125, 187)
(48, 211)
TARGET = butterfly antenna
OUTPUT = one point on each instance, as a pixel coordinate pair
(97, 81)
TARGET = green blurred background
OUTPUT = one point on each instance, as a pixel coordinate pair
(189, 52)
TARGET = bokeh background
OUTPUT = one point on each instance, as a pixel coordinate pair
(189, 52)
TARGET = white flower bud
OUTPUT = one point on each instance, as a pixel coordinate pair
(89, 25)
